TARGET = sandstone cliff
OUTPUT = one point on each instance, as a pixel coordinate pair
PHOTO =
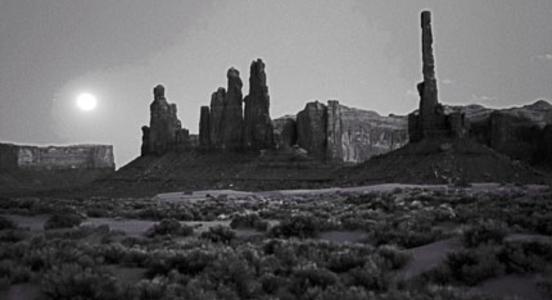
(339, 133)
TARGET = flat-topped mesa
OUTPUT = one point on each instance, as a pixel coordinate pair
(430, 121)
(258, 128)
(165, 132)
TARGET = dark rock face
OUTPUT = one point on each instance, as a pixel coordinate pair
(518, 132)
(230, 127)
(544, 153)
(430, 121)
(232, 118)
(258, 129)
(285, 132)
(204, 128)
(311, 129)
(165, 132)
(215, 118)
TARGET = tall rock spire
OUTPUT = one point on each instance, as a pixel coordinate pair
(427, 88)
(232, 118)
(258, 129)
(204, 128)
(165, 132)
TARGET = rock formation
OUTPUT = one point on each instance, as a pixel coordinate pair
(232, 129)
(258, 130)
(334, 141)
(165, 132)
(285, 132)
(215, 118)
(430, 120)
(311, 129)
(366, 134)
(26, 157)
(204, 128)
(221, 127)
(232, 118)
(351, 135)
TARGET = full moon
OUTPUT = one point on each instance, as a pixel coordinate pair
(86, 102)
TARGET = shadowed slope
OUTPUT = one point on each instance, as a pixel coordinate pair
(440, 161)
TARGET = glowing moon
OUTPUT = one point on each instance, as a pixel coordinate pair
(86, 102)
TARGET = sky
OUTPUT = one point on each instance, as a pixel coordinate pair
(365, 54)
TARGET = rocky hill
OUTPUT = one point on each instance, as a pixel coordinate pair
(432, 161)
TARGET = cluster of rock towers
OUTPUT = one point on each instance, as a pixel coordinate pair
(233, 122)
(227, 125)
(430, 121)
(165, 132)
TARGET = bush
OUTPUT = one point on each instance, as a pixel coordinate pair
(484, 232)
(63, 221)
(170, 226)
(302, 226)
(6, 223)
(370, 276)
(473, 266)
(304, 279)
(14, 272)
(249, 221)
(523, 257)
(219, 233)
(393, 257)
(151, 289)
(71, 281)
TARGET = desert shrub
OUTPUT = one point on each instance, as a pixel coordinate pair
(6, 223)
(344, 261)
(474, 265)
(235, 271)
(338, 292)
(63, 221)
(219, 233)
(370, 276)
(170, 226)
(97, 212)
(190, 262)
(309, 277)
(71, 281)
(13, 235)
(526, 256)
(151, 289)
(393, 257)
(407, 234)
(484, 232)
(249, 221)
(302, 226)
(271, 283)
(546, 284)
(14, 272)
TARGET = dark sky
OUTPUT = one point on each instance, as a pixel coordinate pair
(364, 53)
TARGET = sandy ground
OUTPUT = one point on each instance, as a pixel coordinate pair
(523, 286)
(427, 257)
